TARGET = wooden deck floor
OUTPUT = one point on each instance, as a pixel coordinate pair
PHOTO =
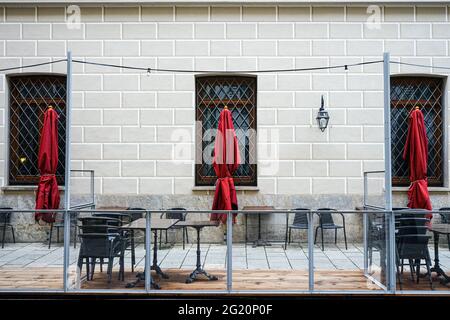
(51, 278)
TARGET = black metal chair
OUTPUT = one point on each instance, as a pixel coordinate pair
(5, 222)
(326, 222)
(412, 243)
(180, 216)
(445, 218)
(59, 224)
(300, 223)
(101, 238)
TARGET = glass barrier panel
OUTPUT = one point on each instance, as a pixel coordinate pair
(339, 252)
(31, 254)
(192, 254)
(270, 252)
(109, 251)
(423, 250)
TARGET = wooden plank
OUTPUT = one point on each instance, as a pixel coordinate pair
(336, 280)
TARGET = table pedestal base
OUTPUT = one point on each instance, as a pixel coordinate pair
(197, 272)
(445, 278)
(141, 277)
(159, 271)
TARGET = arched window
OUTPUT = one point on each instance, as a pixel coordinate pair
(408, 92)
(239, 94)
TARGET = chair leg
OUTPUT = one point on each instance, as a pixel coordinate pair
(187, 235)
(411, 268)
(335, 236)
(448, 240)
(428, 264)
(88, 269)
(166, 237)
(110, 267)
(184, 233)
(50, 236)
(12, 232)
(160, 238)
(101, 264)
(321, 233)
(290, 235)
(345, 238)
(418, 269)
(4, 234)
(133, 251)
(315, 235)
(93, 263)
(397, 262)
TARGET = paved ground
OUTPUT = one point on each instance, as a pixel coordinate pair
(335, 257)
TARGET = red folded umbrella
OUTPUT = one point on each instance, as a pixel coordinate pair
(416, 151)
(226, 161)
(47, 195)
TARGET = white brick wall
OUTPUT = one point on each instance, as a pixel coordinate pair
(125, 122)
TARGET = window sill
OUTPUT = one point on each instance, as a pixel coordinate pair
(24, 188)
(212, 188)
(430, 189)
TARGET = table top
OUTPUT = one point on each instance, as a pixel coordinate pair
(442, 228)
(198, 224)
(156, 224)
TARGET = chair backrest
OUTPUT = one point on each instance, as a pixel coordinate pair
(176, 215)
(445, 216)
(121, 216)
(135, 215)
(301, 218)
(5, 217)
(100, 245)
(412, 238)
(326, 216)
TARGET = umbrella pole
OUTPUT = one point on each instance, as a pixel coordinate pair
(67, 219)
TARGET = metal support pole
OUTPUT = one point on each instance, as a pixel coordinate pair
(229, 251)
(311, 251)
(366, 251)
(148, 249)
(388, 170)
(67, 219)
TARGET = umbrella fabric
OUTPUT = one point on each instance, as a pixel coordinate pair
(225, 163)
(416, 152)
(47, 195)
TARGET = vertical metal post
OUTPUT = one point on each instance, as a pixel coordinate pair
(229, 251)
(148, 250)
(388, 170)
(67, 219)
(365, 188)
(311, 251)
(366, 251)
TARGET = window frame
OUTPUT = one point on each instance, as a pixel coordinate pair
(26, 181)
(400, 182)
(208, 181)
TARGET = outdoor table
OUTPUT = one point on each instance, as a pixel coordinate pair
(438, 229)
(199, 225)
(156, 225)
(259, 242)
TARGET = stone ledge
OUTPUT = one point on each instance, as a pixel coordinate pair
(430, 189)
(212, 188)
(24, 188)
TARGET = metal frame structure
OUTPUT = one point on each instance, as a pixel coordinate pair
(383, 288)
(387, 206)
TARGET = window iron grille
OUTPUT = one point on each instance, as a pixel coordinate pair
(29, 98)
(238, 93)
(427, 94)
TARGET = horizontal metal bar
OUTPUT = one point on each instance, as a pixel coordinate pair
(378, 211)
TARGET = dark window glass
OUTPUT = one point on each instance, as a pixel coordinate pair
(427, 94)
(29, 98)
(239, 94)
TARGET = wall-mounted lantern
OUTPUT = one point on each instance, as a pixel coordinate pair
(322, 116)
